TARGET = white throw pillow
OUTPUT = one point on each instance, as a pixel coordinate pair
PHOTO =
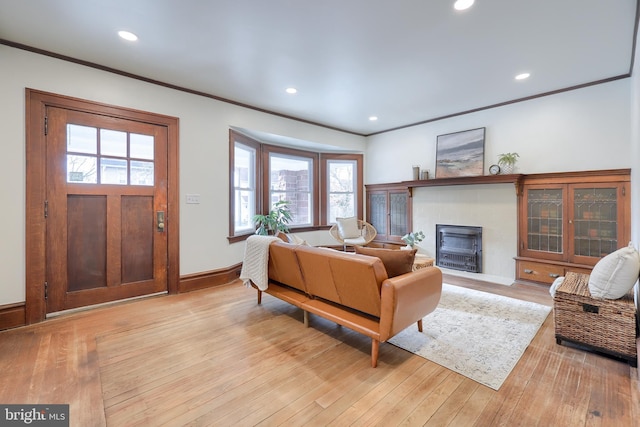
(615, 274)
(555, 285)
(348, 227)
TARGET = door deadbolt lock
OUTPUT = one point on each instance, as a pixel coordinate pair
(160, 220)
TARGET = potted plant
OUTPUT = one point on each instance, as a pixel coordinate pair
(413, 238)
(507, 162)
(275, 221)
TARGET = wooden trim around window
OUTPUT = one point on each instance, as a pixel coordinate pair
(319, 191)
(324, 199)
(234, 137)
(315, 175)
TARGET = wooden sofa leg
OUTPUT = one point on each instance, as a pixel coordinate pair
(259, 297)
(420, 325)
(306, 318)
(375, 348)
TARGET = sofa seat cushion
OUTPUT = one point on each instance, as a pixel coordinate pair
(396, 262)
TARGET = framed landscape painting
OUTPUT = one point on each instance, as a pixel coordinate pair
(460, 154)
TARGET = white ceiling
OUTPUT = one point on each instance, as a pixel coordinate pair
(405, 61)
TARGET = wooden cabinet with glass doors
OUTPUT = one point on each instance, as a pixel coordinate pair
(569, 221)
(389, 211)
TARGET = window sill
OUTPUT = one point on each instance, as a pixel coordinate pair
(243, 237)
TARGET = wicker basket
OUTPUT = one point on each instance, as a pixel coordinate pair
(604, 325)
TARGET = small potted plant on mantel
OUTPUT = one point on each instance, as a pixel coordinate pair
(507, 162)
(413, 238)
(275, 221)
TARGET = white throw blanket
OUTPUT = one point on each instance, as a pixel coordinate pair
(255, 266)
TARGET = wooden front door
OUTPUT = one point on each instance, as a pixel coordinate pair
(105, 208)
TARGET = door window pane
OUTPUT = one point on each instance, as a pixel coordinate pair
(113, 143)
(82, 139)
(82, 169)
(116, 148)
(113, 171)
(141, 146)
(141, 173)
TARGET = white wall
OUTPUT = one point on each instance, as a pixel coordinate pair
(204, 126)
(635, 159)
(579, 130)
(492, 207)
(584, 129)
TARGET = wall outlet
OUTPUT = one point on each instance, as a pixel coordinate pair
(193, 199)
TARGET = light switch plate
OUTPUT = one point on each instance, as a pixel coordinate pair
(193, 199)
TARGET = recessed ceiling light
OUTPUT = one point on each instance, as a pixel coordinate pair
(522, 76)
(128, 36)
(463, 4)
(373, 118)
(292, 90)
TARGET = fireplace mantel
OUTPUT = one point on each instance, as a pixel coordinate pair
(516, 179)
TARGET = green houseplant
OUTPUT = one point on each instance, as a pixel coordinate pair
(507, 162)
(413, 238)
(275, 221)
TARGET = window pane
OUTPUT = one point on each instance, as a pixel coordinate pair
(82, 139)
(299, 205)
(244, 182)
(113, 143)
(141, 173)
(290, 179)
(244, 167)
(341, 176)
(81, 169)
(113, 171)
(341, 206)
(141, 146)
(341, 183)
(245, 210)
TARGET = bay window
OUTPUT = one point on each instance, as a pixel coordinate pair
(318, 187)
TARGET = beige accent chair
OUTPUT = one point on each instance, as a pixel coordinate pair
(352, 231)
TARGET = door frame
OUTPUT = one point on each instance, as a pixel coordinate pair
(36, 157)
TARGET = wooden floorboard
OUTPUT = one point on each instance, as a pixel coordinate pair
(214, 357)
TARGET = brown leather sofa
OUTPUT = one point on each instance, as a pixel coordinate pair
(352, 290)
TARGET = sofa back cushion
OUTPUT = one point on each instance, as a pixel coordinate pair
(396, 262)
(344, 278)
(283, 265)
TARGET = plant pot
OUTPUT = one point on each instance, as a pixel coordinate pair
(506, 169)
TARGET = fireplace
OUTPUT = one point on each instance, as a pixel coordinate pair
(459, 247)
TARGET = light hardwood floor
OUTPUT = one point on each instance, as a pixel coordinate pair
(215, 358)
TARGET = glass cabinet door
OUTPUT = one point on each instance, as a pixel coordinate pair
(389, 211)
(595, 221)
(545, 213)
(378, 211)
(574, 223)
(398, 214)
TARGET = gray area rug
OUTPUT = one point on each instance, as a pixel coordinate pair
(477, 334)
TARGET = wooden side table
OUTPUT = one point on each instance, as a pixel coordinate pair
(422, 261)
